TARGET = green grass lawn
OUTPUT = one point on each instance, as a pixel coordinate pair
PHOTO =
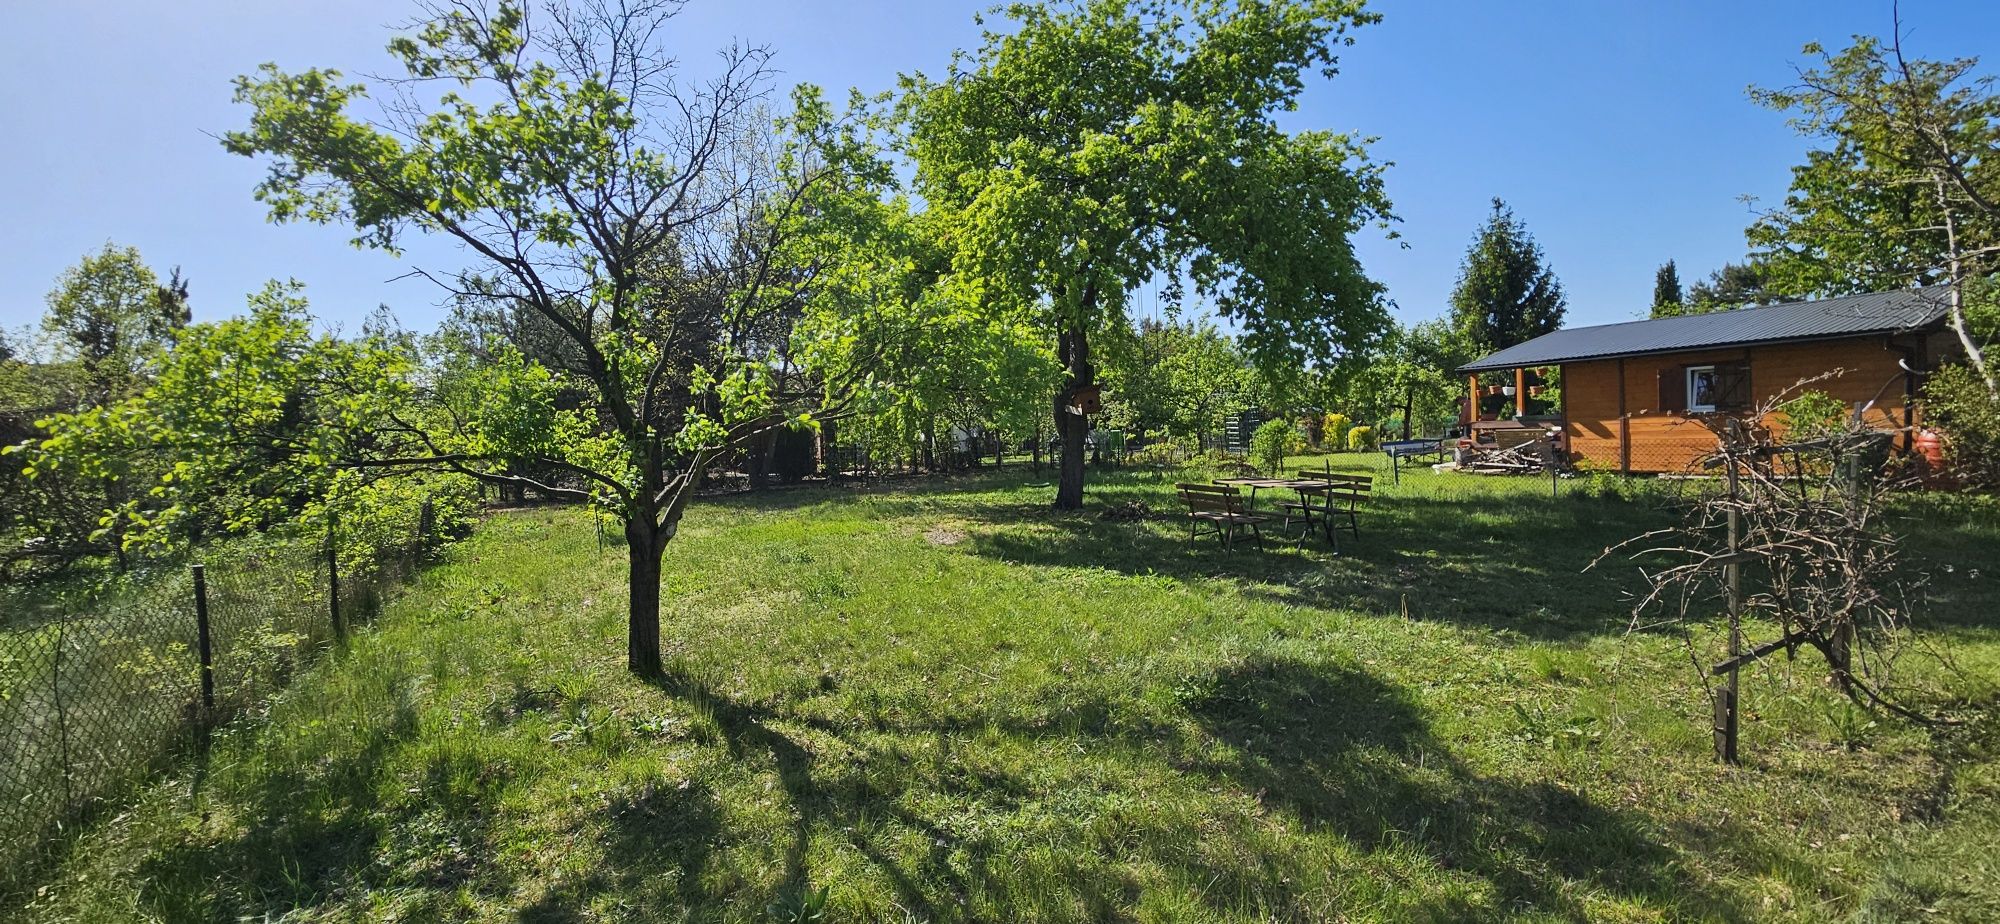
(943, 702)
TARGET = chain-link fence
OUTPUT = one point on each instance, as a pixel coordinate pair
(100, 690)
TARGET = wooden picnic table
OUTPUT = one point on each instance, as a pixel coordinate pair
(1307, 487)
(1327, 489)
(1256, 484)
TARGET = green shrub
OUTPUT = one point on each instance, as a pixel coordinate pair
(1812, 415)
(1361, 438)
(1272, 442)
(1960, 407)
(1336, 429)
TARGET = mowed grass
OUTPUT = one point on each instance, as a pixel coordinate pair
(942, 702)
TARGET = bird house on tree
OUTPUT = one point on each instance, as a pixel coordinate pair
(1087, 400)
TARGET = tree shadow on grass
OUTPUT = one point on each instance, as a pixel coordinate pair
(1500, 563)
(1335, 748)
(282, 858)
(841, 797)
(1338, 748)
(658, 839)
(319, 836)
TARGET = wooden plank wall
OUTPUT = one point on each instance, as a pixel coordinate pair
(1670, 442)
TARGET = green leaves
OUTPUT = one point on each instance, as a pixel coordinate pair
(1908, 143)
(1177, 377)
(110, 314)
(247, 421)
(1506, 293)
(1099, 144)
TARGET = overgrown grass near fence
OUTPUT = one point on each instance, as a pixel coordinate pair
(101, 685)
(940, 700)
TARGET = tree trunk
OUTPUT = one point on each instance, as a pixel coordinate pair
(1409, 404)
(1073, 348)
(1956, 313)
(757, 458)
(643, 547)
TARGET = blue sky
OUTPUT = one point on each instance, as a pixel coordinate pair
(1619, 132)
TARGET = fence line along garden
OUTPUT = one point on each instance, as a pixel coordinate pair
(99, 688)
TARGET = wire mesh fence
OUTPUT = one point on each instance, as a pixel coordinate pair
(99, 691)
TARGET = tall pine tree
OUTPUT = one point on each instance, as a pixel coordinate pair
(1505, 293)
(1667, 299)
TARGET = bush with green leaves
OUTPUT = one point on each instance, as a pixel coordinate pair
(1336, 429)
(1272, 442)
(1812, 415)
(1361, 438)
(1966, 413)
(250, 425)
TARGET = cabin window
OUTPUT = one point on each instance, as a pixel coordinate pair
(1701, 388)
(1718, 388)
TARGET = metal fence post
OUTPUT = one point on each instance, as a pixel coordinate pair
(204, 646)
(1726, 704)
(333, 579)
(62, 712)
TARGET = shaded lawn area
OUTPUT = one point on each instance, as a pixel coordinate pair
(943, 702)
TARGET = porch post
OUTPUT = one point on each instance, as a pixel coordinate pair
(1471, 398)
(1520, 393)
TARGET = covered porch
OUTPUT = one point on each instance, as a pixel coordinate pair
(1509, 415)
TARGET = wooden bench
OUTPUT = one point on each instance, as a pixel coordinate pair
(1338, 495)
(1221, 507)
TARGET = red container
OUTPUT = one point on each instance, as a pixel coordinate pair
(1929, 447)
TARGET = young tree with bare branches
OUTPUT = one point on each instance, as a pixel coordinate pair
(1796, 538)
(651, 222)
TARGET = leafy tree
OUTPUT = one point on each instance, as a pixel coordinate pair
(1668, 299)
(231, 406)
(644, 216)
(1092, 146)
(1506, 294)
(1177, 377)
(1906, 192)
(1409, 380)
(1273, 441)
(111, 314)
(916, 342)
(251, 423)
(1735, 285)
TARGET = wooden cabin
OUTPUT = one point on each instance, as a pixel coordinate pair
(1636, 395)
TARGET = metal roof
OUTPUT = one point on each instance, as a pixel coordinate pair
(1847, 316)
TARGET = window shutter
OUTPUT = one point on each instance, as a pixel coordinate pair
(1732, 392)
(1673, 389)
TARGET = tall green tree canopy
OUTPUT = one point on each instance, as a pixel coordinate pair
(1905, 192)
(1905, 180)
(915, 340)
(647, 216)
(1668, 299)
(1177, 377)
(1094, 145)
(1408, 381)
(1735, 285)
(111, 314)
(1506, 293)
(247, 420)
